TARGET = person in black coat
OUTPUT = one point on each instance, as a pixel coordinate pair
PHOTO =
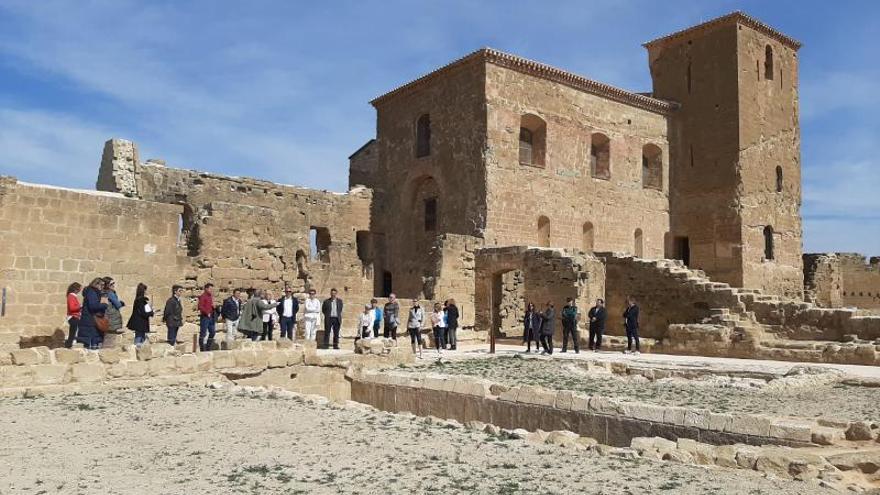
(173, 313)
(548, 326)
(92, 306)
(597, 316)
(631, 323)
(141, 312)
(332, 310)
(451, 324)
(531, 328)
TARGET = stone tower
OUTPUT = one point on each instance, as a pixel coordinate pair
(735, 185)
(119, 167)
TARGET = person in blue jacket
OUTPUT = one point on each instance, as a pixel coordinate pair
(92, 306)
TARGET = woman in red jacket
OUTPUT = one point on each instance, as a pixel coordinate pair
(74, 311)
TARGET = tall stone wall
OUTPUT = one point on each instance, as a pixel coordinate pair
(835, 280)
(249, 233)
(562, 188)
(50, 237)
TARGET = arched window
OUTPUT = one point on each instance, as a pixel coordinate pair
(778, 178)
(423, 136)
(768, 63)
(689, 78)
(600, 156)
(638, 244)
(543, 231)
(652, 167)
(588, 237)
(532, 140)
(768, 243)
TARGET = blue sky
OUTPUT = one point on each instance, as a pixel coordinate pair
(280, 89)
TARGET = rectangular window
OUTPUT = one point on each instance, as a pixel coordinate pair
(431, 214)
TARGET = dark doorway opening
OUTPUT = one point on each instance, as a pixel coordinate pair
(387, 288)
(683, 250)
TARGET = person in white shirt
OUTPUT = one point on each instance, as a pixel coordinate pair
(414, 326)
(288, 308)
(270, 316)
(438, 323)
(312, 316)
(368, 317)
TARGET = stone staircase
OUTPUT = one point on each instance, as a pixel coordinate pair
(756, 314)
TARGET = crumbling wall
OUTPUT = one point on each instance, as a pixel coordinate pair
(835, 280)
(50, 237)
(249, 233)
(549, 275)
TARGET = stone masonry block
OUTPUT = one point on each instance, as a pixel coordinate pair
(29, 356)
(186, 364)
(800, 431)
(277, 359)
(87, 372)
(604, 405)
(749, 424)
(69, 356)
(50, 374)
(223, 360)
(719, 421)
(697, 418)
(536, 395)
(564, 400)
(645, 412)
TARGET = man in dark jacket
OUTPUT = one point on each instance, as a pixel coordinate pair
(288, 307)
(631, 322)
(172, 316)
(597, 315)
(569, 325)
(452, 324)
(548, 326)
(331, 308)
(231, 312)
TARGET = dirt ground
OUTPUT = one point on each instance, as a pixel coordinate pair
(806, 396)
(187, 440)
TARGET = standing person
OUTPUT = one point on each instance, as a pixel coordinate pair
(548, 324)
(311, 316)
(391, 313)
(365, 325)
(289, 308)
(377, 314)
(332, 311)
(74, 312)
(631, 323)
(414, 326)
(113, 313)
(141, 312)
(452, 324)
(231, 312)
(251, 321)
(531, 328)
(569, 325)
(438, 323)
(92, 306)
(597, 316)
(269, 315)
(207, 321)
(172, 315)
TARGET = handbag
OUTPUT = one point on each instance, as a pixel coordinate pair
(102, 323)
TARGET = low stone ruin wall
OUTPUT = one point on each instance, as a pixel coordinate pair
(609, 421)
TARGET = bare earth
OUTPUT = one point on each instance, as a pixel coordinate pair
(809, 397)
(196, 440)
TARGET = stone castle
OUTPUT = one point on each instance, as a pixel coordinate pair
(492, 180)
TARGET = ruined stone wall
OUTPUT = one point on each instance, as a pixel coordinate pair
(563, 188)
(363, 165)
(835, 280)
(549, 275)
(451, 173)
(452, 260)
(241, 232)
(769, 137)
(50, 237)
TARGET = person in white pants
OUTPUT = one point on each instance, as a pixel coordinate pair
(312, 316)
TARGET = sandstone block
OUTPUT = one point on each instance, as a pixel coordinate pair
(50, 374)
(536, 395)
(30, 356)
(204, 361)
(223, 360)
(244, 359)
(657, 445)
(697, 418)
(186, 363)
(725, 456)
(536, 437)
(645, 412)
(678, 456)
(746, 456)
(748, 424)
(825, 436)
(135, 369)
(87, 372)
(277, 359)
(475, 425)
(562, 438)
(295, 356)
(509, 395)
(564, 400)
(859, 430)
(162, 366)
(702, 453)
(719, 421)
(604, 405)
(147, 352)
(800, 431)
(865, 462)
(580, 403)
(69, 356)
(115, 355)
(674, 415)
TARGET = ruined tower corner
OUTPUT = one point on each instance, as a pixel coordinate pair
(119, 167)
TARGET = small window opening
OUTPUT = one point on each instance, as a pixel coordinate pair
(768, 243)
(588, 240)
(532, 140)
(638, 244)
(431, 214)
(423, 136)
(600, 156)
(768, 63)
(543, 231)
(319, 244)
(778, 179)
(652, 167)
(689, 78)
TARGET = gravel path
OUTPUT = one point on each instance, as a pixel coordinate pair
(786, 396)
(196, 440)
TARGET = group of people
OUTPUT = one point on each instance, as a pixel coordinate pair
(539, 326)
(255, 313)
